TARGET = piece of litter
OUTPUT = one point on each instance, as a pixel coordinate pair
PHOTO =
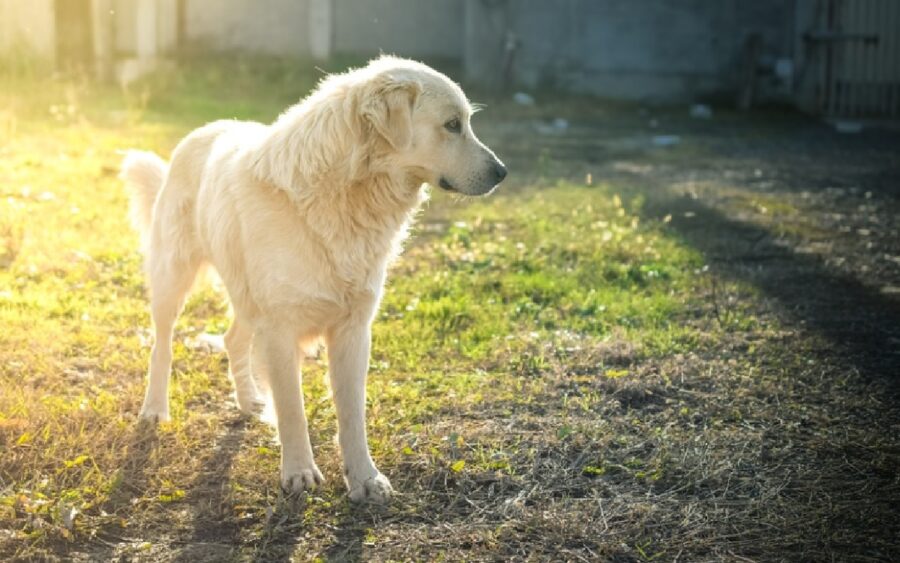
(67, 514)
(206, 342)
(701, 111)
(849, 127)
(784, 69)
(556, 127)
(561, 124)
(216, 342)
(666, 140)
(523, 99)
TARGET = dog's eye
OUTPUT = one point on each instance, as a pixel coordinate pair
(453, 126)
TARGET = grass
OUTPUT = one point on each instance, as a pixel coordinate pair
(556, 373)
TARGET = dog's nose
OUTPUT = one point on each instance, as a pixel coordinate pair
(499, 171)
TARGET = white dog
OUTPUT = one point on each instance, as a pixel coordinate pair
(301, 218)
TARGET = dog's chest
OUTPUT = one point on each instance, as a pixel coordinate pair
(360, 262)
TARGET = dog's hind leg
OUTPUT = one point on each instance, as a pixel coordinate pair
(170, 282)
(238, 340)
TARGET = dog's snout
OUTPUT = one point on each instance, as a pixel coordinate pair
(499, 171)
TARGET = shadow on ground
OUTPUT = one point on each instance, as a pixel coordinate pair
(861, 323)
(216, 531)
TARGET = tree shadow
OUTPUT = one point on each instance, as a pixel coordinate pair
(861, 324)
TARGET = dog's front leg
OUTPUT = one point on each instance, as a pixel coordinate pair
(348, 363)
(279, 352)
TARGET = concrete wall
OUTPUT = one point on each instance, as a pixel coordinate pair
(666, 49)
(278, 27)
(144, 28)
(414, 28)
(28, 25)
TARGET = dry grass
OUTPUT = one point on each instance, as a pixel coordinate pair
(561, 372)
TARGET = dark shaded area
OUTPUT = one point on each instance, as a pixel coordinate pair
(216, 531)
(792, 438)
(862, 324)
(349, 536)
(143, 441)
(283, 531)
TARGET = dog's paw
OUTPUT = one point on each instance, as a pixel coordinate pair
(252, 404)
(376, 489)
(299, 480)
(154, 414)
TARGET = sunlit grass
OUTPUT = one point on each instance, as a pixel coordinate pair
(490, 295)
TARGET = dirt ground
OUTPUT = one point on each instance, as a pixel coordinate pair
(810, 218)
(771, 433)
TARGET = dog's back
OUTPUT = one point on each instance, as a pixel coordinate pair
(164, 196)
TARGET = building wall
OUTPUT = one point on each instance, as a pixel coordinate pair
(28, 25)
(413, 28)
(663, 49)
(277, 27)
(666, 49)
(144, 27)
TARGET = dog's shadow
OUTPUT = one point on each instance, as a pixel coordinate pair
(285, 527)
(348, 540)
(216, 532)
(132, 478)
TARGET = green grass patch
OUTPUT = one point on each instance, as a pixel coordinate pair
(490, 298)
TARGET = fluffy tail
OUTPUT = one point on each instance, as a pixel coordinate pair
(143, 173)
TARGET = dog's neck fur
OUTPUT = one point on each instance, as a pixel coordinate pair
(338, 175)
(365, 224)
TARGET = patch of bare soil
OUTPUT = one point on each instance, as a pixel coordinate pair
(774, 442)
(771, 444)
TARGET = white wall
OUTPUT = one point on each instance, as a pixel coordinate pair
(145, 27)
(662, 49)
(265, 26)
(416, 28)
(413, 28)
(29, 24)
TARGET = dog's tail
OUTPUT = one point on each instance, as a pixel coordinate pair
(143, 173)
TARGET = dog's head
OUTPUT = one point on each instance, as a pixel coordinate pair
(394, 115)
(424, 120)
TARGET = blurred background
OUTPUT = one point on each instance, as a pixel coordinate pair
(830, 57)
(673, 333)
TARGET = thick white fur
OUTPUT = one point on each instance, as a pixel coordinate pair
(301, 218)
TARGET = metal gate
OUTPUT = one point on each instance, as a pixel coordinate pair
(853, 57)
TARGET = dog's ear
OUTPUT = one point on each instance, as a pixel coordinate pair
(388, 106)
